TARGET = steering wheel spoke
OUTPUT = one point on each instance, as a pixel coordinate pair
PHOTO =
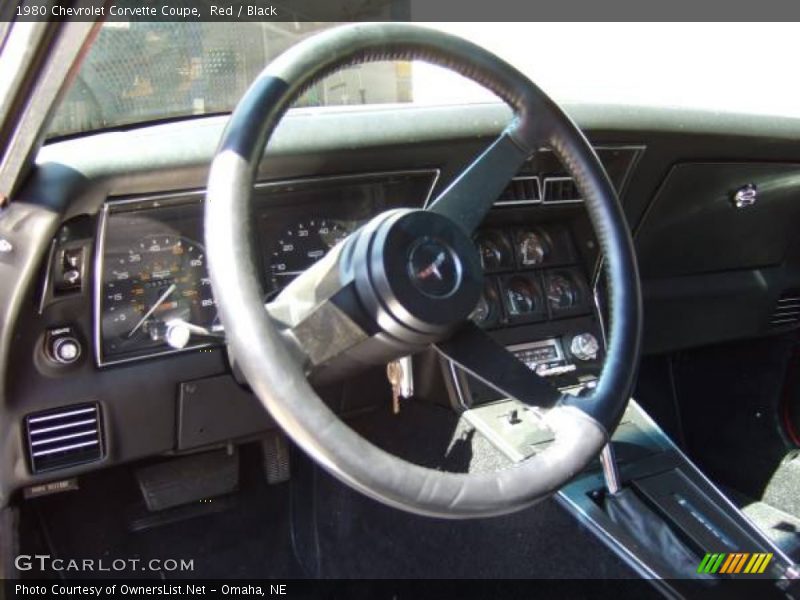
(478, 354)
(468, 199)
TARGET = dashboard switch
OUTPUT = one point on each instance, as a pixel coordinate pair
(69, 270)
(62, 346)
(584, 346)
(66, 350)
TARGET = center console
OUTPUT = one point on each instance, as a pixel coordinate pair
(645, 499)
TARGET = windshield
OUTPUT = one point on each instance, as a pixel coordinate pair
(145, 71)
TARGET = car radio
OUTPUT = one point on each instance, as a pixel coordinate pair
(570, 361)
(546, 357)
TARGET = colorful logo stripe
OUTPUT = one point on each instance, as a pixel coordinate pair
(735, 563)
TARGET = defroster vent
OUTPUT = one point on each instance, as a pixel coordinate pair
(64, 437)
(521, 190)
(561, 189)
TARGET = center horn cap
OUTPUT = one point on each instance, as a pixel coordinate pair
(434, 268)
(418, 274)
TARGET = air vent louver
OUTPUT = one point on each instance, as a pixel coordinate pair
(787, 309)
(64, 437)
(521, 190)
(560, 189)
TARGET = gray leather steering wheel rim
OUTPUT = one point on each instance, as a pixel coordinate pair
(580, 426)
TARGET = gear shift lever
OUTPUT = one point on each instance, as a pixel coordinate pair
(610, 470)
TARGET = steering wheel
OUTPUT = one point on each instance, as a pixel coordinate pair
(409, 279)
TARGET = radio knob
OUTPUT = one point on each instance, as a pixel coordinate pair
(584, 346)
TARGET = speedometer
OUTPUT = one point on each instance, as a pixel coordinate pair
(303, 244)
(150, 282)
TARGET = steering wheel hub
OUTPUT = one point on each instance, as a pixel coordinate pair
(418, 274)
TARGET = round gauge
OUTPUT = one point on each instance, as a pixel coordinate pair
(522, 297)
(494, 250)
(302, 245)
(533, 248)
(487, 311)
(157, 278)
(561, 292)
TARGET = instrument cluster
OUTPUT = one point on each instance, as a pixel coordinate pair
(152, 291)
(531, 275)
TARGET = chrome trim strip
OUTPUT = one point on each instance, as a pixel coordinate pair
(99, 246)
(454, 374)
(47, 274)
(61, 438)
(33, 432)
(196, 195)
(610, 471)
(65, 448)
(71, 413)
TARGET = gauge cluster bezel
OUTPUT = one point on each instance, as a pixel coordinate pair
(193, 201)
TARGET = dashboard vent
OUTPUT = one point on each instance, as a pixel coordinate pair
(787, 309)
(64, 437)
(560, 189)
(521, 190)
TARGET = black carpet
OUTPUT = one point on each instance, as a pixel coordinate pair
(243, 535)
(358, 537)
(730, 402)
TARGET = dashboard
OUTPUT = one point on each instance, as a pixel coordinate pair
(118, 324)
(153, 294)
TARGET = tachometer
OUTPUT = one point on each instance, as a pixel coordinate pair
(154, 280)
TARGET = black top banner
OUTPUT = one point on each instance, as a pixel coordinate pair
(399, 10)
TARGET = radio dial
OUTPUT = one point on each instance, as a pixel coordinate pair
(584, 346)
